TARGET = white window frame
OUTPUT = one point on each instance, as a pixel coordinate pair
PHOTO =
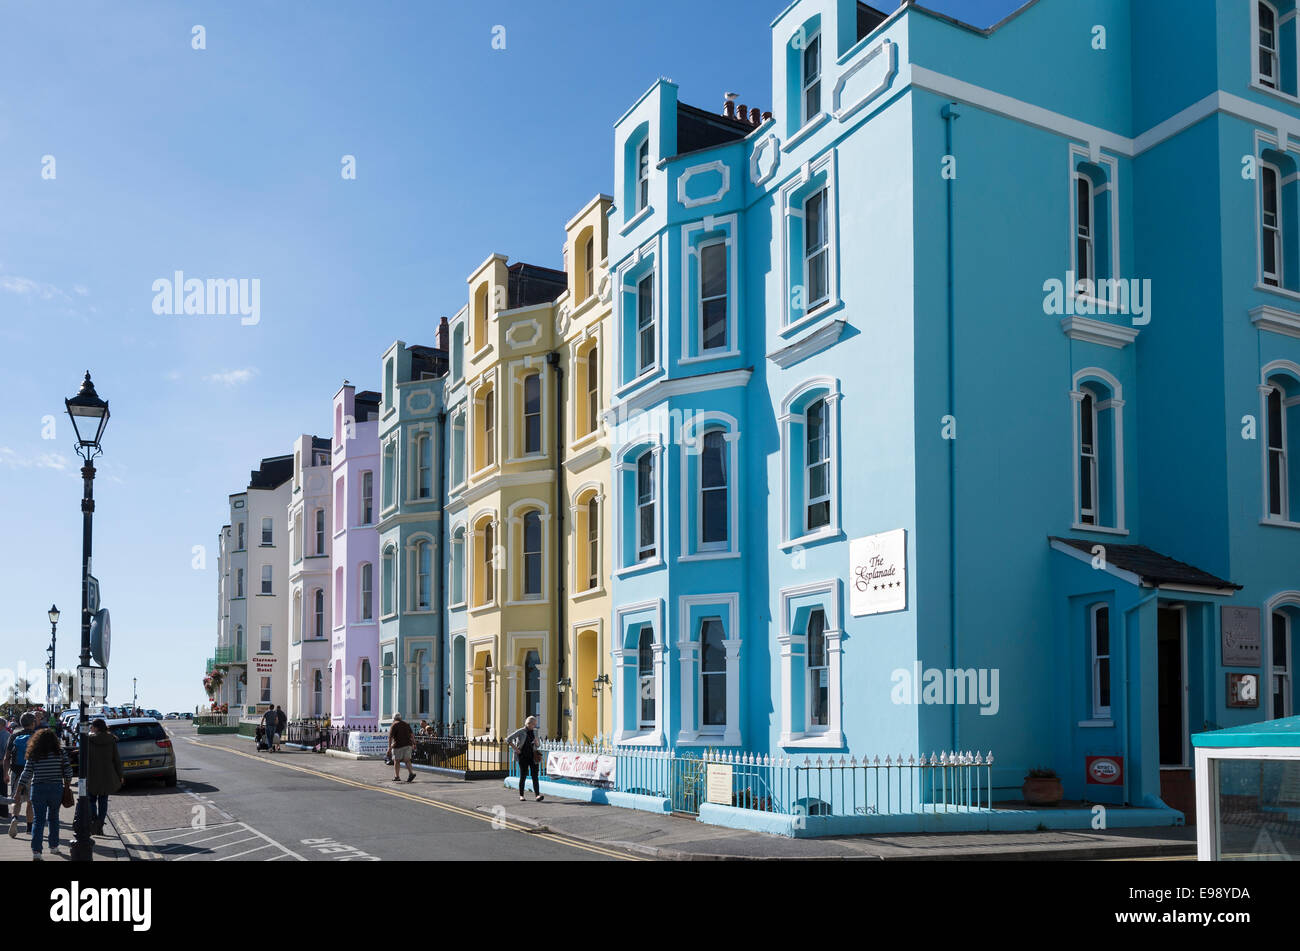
(419, 577)
(809, 500)
(265, 639)
(725, 297)
(541, 433)
(1278, 279)
(1110, 190)
(1257, 46)
(828, 596)
(792, 211)
(268, 581)
(1100, 711)
(318, 612)
(790, 454)
(1086, 233)
(692, 478)
(643, 174)
(1115, 403)
(368, 497)
(649, 328)
(1087, 455)
(721, 231)
(690, 652)
(268, 529)
(808, 83)
(810, 728)
(645, 553)
(456, 581)
(822, 250)
(366, 591)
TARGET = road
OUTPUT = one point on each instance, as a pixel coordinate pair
(232, 805)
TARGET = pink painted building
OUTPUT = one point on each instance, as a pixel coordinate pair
(354, 560)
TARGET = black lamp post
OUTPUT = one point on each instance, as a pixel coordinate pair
(49, 675)
(89, 416)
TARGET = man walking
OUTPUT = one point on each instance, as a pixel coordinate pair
(270, 721)
(281, 722)
(16, 761)
(401, 742)
(4, 774)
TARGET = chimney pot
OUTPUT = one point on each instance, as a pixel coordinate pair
(442, 334)
(753, 116)
(742, 112)
(729, 109)
(766, 116)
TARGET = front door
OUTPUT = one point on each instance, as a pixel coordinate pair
(1171, 674)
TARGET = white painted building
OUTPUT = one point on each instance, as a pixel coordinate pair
(310, 542)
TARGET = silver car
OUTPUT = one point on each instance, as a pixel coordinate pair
(145, 748)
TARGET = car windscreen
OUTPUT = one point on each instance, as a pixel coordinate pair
(138, 731)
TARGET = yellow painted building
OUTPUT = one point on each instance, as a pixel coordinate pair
(528, 616)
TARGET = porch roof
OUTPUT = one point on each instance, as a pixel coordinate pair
(1151, 568)
(1283, 732)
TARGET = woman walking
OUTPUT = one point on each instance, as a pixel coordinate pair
(45, 777)
(524, 742)
(105, 774)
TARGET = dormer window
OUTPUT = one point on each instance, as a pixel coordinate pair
(812, 78)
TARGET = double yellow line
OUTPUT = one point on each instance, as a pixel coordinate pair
(494, 821)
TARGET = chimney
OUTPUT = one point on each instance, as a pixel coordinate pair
(766, 116)
(442, 335)
(742, 112)
(753, 116)
(729, 107)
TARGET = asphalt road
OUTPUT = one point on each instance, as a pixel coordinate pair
(234, 806)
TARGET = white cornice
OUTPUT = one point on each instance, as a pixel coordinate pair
(806, 346)
(1276, 320)
(1098, 331)
(679, 386)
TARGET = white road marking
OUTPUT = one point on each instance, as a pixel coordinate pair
(249, 852)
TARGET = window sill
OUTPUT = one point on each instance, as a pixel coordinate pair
(812, 318)
(809, 127)
(812, 539)
(830, 740)
(1257, 86)
(639, 567)
(1099, 529)
(709, 556)
(644, 738)
(633, 384)
(1278, 523)
(482, 354)
(483, 608)
(266, 594)
(707, 357)
(1097, 724)
(527, 602)
(1280, 291)
(636, 219)
(588, 593)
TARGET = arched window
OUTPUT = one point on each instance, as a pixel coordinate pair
(818, 670)
(532, 555)
(239, 641)
(365, 684)
(593, 389)
(421, 682)
(713, 674)
(297, 617)
(1281, 419)
(423, 576)
(646, 676)
(817, 465)
(643, 174)
(715, 512)
(457, 584)
(366, 589)
(388, 389)
(390, 579)
(645, 506)
(1098, 433)
(338, 594)
(390, 475)
(340, 505)
(532, 685)
(487, 693)
(318, 613)
(533, 413)
(811, 78)
(458, 352)
(1281, 666)
(481, 318)
(589, 266)
(593, 542)
(489, 429)
(317, 691)
(489, 564)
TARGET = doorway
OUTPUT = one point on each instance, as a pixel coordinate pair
(1171, 675)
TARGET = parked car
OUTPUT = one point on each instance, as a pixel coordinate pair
(145, 748)
(156, 714)
(187, 716)
(172, 716)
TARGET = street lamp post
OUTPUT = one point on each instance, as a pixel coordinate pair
(49, 668)
(135, 703)
(89, 415)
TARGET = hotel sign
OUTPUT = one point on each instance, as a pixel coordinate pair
(1240, 629)
(878, 573)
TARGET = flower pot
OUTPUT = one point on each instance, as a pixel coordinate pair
(1040, 791)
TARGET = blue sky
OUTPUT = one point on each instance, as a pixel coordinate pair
(225, 163)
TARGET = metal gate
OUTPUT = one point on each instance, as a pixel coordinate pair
(686, 784)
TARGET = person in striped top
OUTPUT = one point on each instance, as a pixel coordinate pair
(44, 778)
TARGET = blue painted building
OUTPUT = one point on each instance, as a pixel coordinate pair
(953, 396)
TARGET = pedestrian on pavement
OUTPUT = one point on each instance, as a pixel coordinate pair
(524, 742)
(44, 779)
(270, 720)
(400, 743)
(4, 770)
(104, 775)
(281, 722)
(15, 760)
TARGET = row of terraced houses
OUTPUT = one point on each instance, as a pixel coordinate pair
(945, 402)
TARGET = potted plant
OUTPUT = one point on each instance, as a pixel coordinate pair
(1042, 787)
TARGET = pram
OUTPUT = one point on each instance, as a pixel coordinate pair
(260, 736)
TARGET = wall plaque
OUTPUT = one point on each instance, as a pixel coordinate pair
(1239, 627)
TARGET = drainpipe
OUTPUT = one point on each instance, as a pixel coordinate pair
(444, 649)
(557, 373)
(1128, 712)
(950, 115)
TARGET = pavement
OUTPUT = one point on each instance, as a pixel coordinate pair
(108, 847)
(632, 834)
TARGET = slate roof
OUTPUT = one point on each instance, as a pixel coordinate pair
(366, 405)
(1151, 567)
(273, 473)
(699, 129)
(868, 19)
(430, 360)
(529, 284)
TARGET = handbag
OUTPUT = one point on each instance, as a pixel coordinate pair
(537, 757)
(69, 800)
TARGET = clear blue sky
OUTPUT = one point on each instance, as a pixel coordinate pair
(225, 163)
